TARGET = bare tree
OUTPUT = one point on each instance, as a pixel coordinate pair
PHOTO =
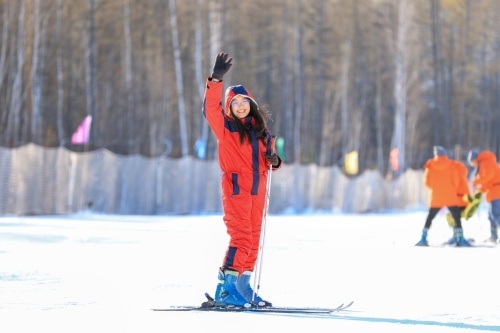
(3, 67)
(286, 118)
(89, 40)
(360, 81)
(61, 139)
(344, 84)
(298, 75)
(129, 77)
(327, 142)
(13, 130)
(442, 114)
(3, 45)
(462, 76)
(179, 79)
(165, 95)
(398, 138)
(36, 76)
(201, 76)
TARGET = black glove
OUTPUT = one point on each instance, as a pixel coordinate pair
(221, 66)
(273, 159)
(478, 195)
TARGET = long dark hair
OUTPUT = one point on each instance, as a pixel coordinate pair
(261, 116)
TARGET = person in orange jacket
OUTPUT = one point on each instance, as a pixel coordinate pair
(487, 181)
(442, 178)
(246, 153)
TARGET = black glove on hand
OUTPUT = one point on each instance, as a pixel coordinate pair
(221, 66)
(272, 158)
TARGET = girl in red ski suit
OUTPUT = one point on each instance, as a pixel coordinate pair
(245, 154)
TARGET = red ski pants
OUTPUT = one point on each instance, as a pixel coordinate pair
(243, 218)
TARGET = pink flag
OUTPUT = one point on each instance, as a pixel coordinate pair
(394, 159)
(81, 135)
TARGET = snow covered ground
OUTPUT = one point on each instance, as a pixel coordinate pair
(100, 273)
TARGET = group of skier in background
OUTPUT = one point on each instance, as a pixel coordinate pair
(448, 184)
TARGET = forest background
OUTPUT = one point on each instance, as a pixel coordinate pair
(338, 76)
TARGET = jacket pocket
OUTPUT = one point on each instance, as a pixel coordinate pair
(236, 186)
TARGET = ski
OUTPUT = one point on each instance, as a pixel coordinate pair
(273, 309)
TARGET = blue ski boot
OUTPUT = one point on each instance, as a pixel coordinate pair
(226, 293)
(459, 236)
(244, 288)
(452, 241)
(423, 240)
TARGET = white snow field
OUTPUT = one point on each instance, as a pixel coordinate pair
(99, 273)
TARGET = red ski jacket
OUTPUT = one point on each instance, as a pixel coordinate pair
(235, 157)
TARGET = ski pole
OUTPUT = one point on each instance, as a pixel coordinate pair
(260, 254)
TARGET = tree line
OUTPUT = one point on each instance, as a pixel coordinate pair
(369, 76)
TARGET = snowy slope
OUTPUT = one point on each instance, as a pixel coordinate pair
(98, 273)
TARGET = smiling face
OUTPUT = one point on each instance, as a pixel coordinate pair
(240, 106)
